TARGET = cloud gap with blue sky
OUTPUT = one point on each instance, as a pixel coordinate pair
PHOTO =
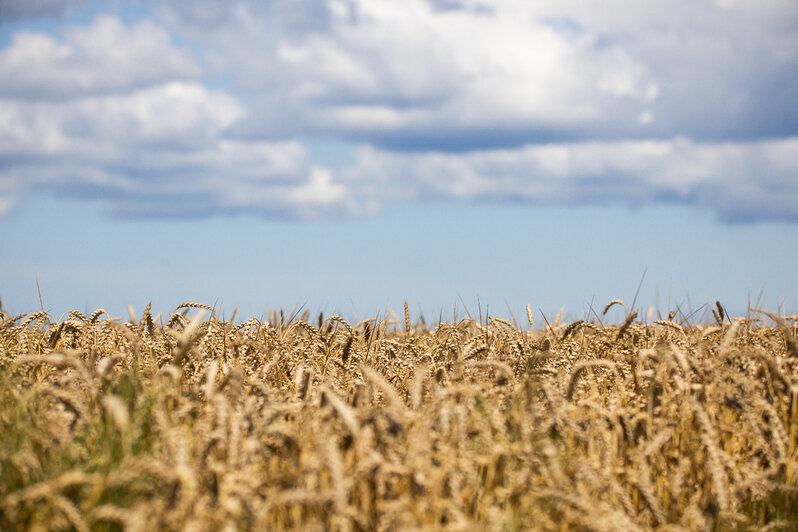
(341, 110)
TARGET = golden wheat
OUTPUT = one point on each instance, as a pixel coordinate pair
(203, 424)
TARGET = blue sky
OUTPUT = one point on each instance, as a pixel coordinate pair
(350, 155)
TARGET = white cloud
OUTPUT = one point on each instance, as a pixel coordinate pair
(319, 195)
(382, 71)
(172, 115)
(415, 75)
(158, 151)
(110, 112)
(271, 179)
(102, 57)
(738, 181)
(320, 190)
(568, 101)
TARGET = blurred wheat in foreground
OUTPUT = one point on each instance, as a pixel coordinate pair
(187, 422)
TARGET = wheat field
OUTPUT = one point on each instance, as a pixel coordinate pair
(190, 422)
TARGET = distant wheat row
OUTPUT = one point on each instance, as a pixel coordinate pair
(187, 422)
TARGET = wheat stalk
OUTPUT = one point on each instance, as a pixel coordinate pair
(625, 325)
(609, 305)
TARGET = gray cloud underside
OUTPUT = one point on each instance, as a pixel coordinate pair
(689, 102)
(24, 9)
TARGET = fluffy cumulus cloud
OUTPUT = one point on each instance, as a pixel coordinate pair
(102, 57)
(459, 75)
(568, 101)
(157, 151)
(116, 112)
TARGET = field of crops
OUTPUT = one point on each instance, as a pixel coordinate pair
(190, 422)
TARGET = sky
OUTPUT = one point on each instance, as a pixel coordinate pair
(346, 156)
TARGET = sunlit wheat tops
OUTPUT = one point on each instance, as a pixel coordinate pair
(189, 422)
